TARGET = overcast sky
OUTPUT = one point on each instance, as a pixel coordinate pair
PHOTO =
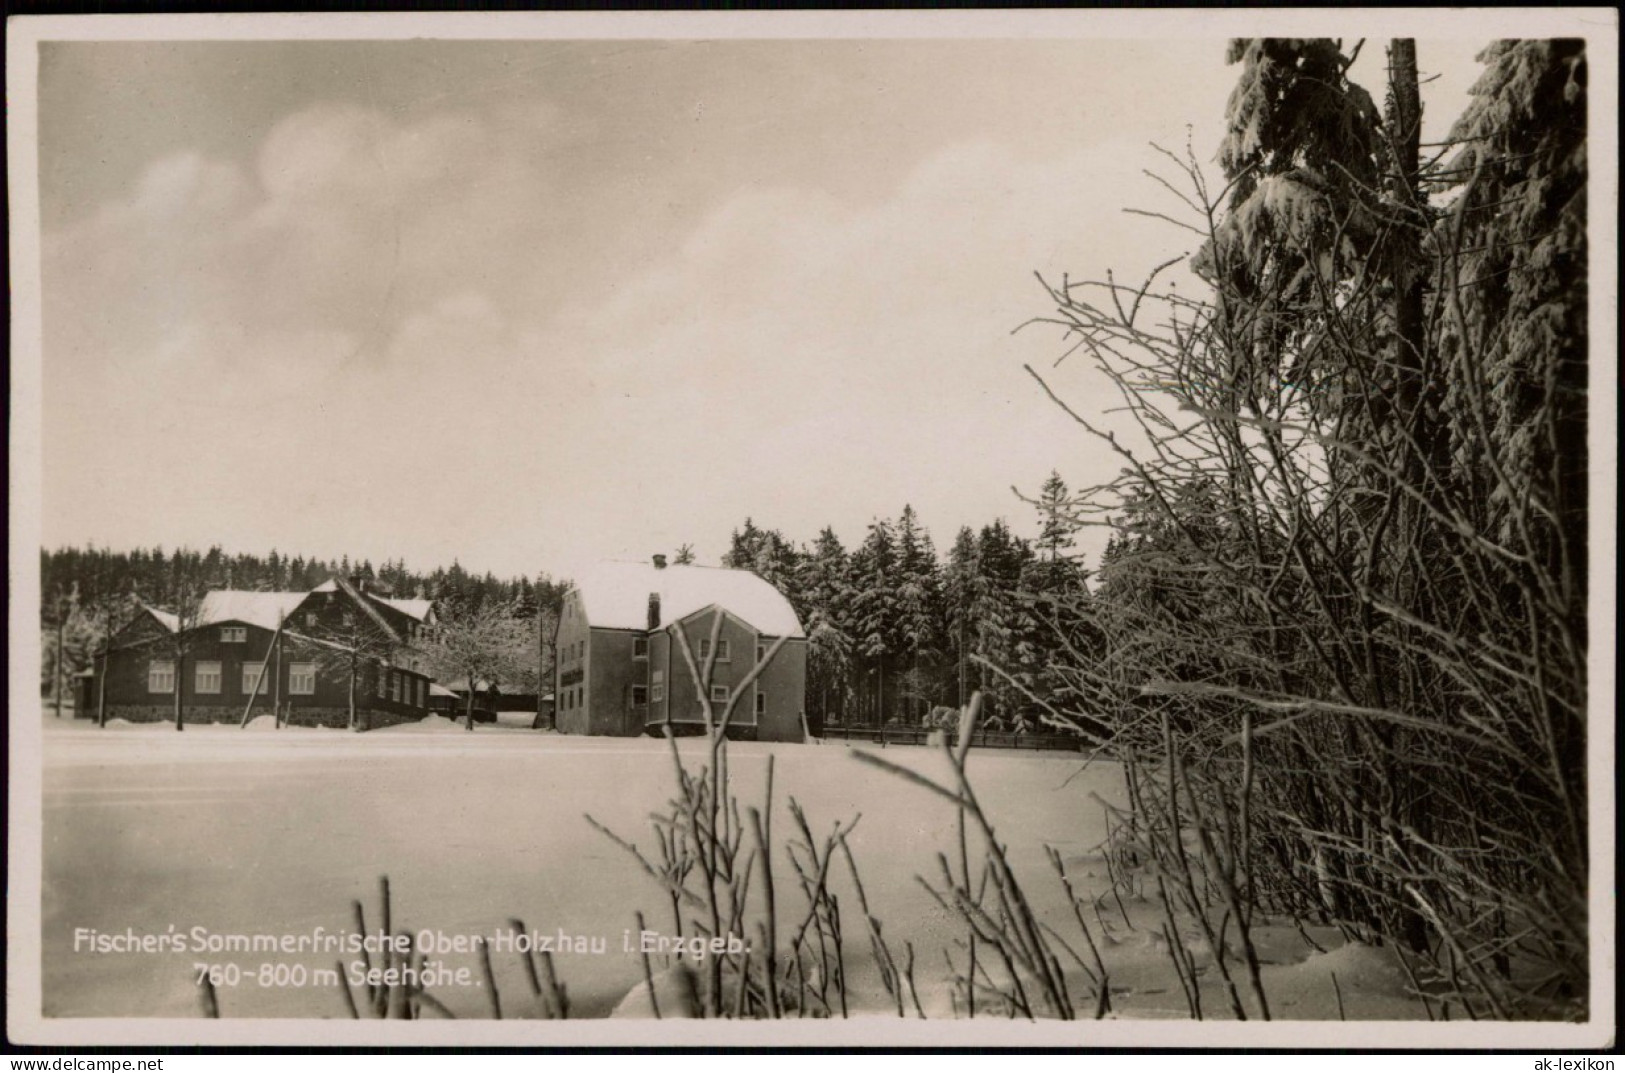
(526, 304)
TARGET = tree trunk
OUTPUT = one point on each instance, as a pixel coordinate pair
(101, 693)
(276, 682)
(468, 723)
(353, 725)
(1416, 399)
(60, 624)
(180, 684)
(880, 692)
(961, 698)
(1406, 263)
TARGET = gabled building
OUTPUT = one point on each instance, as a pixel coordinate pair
(147, 622)
(303, 653)
(619, 663)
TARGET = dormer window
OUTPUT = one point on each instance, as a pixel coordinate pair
(233, 634)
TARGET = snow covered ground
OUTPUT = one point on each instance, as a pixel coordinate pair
(275, 832)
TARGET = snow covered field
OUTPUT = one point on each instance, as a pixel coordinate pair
(275, 832)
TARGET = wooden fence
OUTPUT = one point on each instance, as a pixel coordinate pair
(981, 739)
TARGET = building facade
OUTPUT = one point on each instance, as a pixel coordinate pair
(621, 669)
(308, 655)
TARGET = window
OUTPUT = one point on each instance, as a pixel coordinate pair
(161, 676)
(761, 704)
(719, 694)
(208, 676)
(382, 687)
(234, 634)
(251, 677)
(640, 648)
(301, 679)
(761, 653)
(310, 618)
(657, 686)
(395, 687)
(722, 649)
(640, 695)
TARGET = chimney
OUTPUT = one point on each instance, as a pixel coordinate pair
(660, 562)
(654, 611)
(359, 582)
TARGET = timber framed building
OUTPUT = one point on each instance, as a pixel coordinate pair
(305, 656)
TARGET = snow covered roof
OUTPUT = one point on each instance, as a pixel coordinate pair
(615, 595)
(418, 609)
(166, 619)
(263, 609)
(438, 690)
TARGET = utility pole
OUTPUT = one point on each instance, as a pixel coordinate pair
(101, 679)
(61, 623)
(276, 681)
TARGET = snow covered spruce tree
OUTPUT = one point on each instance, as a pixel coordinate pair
(1342, 617)
(825, 584)
(485, 641)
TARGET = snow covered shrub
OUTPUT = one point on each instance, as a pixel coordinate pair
(746, 956)
(1339, 637)
(1002, 930)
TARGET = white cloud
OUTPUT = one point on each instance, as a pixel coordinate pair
(813, 362)
(365, 309)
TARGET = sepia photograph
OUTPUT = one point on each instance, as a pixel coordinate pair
(996, 529)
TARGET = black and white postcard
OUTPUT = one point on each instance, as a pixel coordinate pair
(1063, 528)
